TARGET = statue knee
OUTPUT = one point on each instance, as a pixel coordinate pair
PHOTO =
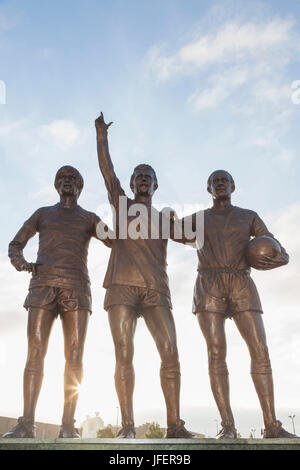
(74, 358)
(124, 367)
(124, 354)
(169, 354)
(170, 366)
(217, 361)
(170, 371)
(260, 360)
(35, 359)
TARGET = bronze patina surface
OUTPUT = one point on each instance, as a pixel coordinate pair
(59, 285)
(224, 289)
(137, 284)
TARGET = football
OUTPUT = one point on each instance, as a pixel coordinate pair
(261, 246)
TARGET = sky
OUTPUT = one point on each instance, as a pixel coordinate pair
(191, 86)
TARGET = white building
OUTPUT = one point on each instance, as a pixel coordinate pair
(91, 425)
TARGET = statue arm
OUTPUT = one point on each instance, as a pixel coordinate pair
(258, 229)
(102, 232)
(17, 245)
(112, 183)
(184, 230)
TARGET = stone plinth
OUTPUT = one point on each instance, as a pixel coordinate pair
(150, 444)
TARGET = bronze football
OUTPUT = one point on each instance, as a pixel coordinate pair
(261, 246)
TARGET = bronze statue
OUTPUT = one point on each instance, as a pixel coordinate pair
(137, 284)
(225, 289)
(59, 285)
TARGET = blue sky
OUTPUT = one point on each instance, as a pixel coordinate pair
(191, 86)
(67, 61)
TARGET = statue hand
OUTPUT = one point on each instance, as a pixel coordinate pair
(267, 262)
(29, 267)
(101, 126)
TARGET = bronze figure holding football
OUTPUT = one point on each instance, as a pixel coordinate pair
(224, 289)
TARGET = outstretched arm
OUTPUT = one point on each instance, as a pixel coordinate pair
(102, 232)
(17, 245)
(188, 230)
(259, 228)
(106, 166)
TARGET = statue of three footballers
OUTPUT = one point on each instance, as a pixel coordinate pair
(136, 284)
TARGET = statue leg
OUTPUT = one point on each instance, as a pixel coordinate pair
(74, 325)
(122, 320)
(39, 326)
(160, 323)
(250, 325)
(213, 328)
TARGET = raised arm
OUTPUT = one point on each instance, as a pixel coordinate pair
(17, 245)
(112, 183)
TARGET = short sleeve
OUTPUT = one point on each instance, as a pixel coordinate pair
(101, 231)
(258, 227)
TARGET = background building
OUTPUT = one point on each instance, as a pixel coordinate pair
(91, 425)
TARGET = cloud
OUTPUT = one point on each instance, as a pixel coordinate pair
(233, 42)
(8, 127)
(285, 155)
(46, 193)
(62, 132)
(224, 84)
(267, 90)
(247, 61)
(269, 126)
(265, 87)
(49, 145)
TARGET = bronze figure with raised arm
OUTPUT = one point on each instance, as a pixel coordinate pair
(225, 289)
(59, 285)
(137, 284)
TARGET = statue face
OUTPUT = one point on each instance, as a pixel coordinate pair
(67, 183)
(143, 183)
(221, 185)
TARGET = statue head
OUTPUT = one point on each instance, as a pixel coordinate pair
(143, 181)
(68, 181)
(220, 184)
